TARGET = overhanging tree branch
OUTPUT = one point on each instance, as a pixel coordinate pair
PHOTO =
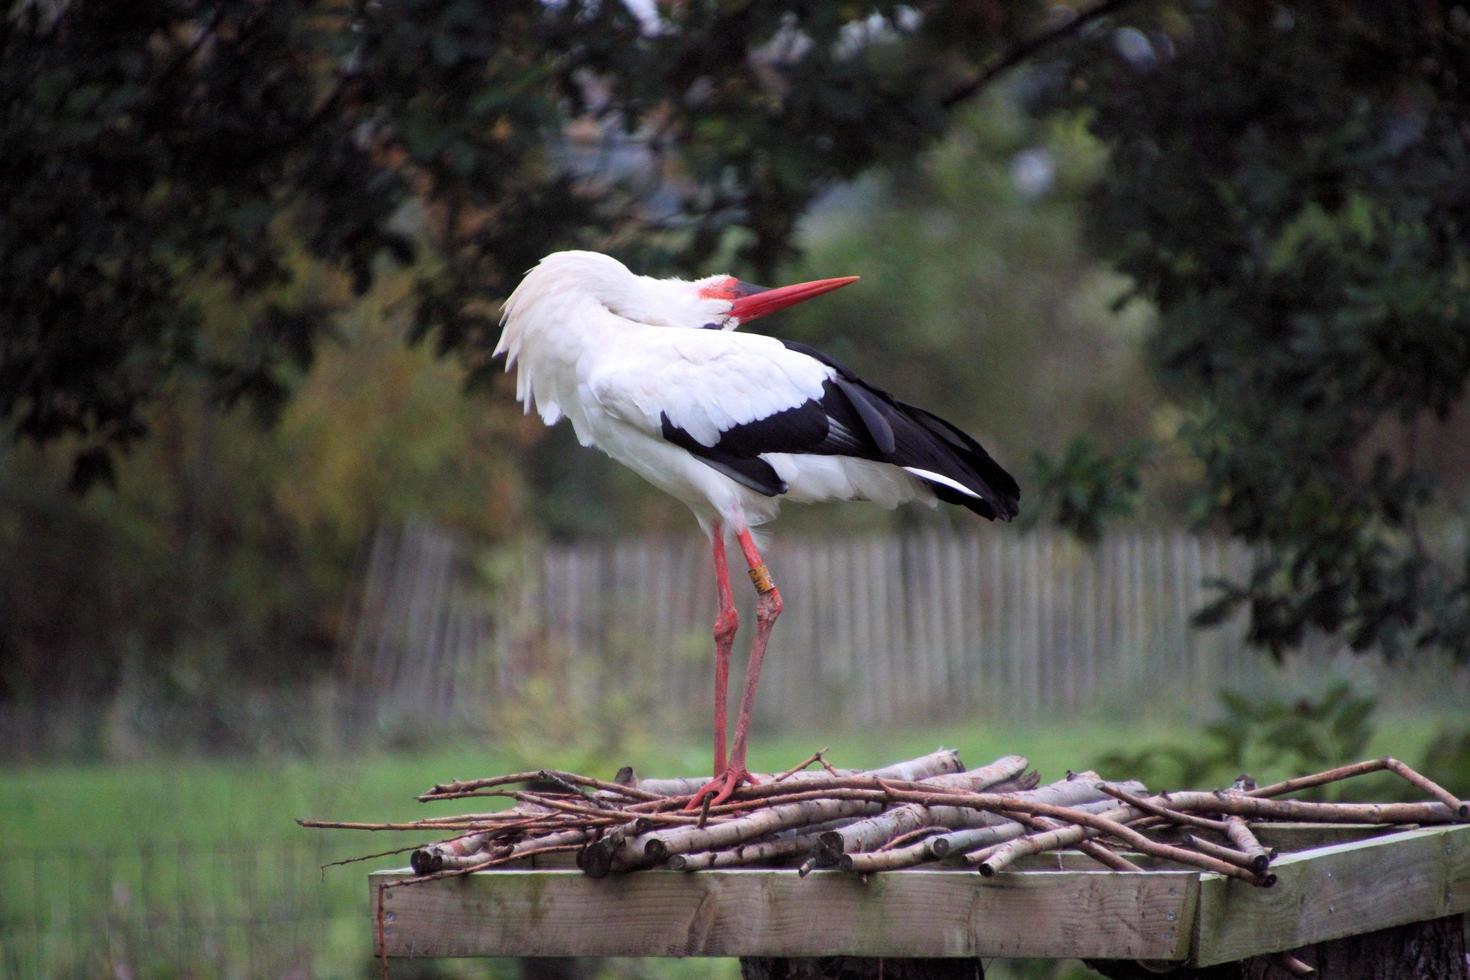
(1027, 48)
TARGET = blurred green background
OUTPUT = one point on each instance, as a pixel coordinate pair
(276, 540)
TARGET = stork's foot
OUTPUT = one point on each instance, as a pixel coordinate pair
(720, 789)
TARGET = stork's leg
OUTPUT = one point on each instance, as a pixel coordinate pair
(725, 625)
(768, 606)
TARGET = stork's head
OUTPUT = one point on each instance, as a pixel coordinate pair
(712, 303)
(572, 298)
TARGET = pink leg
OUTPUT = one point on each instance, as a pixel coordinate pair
(768, 607)
(725, 625)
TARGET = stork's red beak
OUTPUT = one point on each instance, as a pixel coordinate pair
(749, 302)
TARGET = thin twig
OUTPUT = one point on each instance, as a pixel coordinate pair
(1158, 810)
(881, 819)
(814, 757)
(1027, 48)
(1319, 778)
(481, 866)
(1461, 808)
(913, 837)
(457, 788)
(574, 790)
(369, 857)
(1106, 857)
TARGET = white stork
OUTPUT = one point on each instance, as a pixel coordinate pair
(651, 372)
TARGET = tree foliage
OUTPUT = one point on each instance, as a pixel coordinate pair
(198, 193)
(1287, 187)
(148, 152)
(147, 149)
(222, 562)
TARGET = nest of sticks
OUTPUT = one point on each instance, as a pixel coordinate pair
(929, 810)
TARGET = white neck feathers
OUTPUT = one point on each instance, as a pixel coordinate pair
(575, 303)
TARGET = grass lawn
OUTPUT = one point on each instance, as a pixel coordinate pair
(101, 865)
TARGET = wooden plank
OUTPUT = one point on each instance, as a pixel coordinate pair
(1111, 915)
(1067, 860)
(1285, 836)
(1336, 891)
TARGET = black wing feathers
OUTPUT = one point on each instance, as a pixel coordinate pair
(995, 475)
(749, 470)
(853, 418)
(905, 435)
(870, 410)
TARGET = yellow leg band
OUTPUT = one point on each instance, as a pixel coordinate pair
(760, 577)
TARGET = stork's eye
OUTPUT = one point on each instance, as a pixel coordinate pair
(713, 326)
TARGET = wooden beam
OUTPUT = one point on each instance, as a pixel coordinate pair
(1069, 860)
(743, 912)
(1336, 891)
(1286, 836)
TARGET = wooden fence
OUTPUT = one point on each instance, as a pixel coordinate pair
(890, 628)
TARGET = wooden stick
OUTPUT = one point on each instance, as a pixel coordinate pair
(936, 763)
(891, 860)
(457, 788)
(368, 857)
(658, 846)
(410, 825)
(912, 837)
(482, 865)
(672, 786)
(1037, 843)
(553, 803)
(961, 842)
(854, 795)
(1453, 802)
(1106, 857)
(1293, 965)
(447, 856)
(1255, 865)
(1091, 848)
(870, 834)
(686, 786)
(1459, 807)
(431, 857)
(994, 857)
(799, 805)
(914, 772)
(1240, 835)
(914, 811)
(1319, 778)
(814, 757)
(1215, 802)
(1246, 805)
(1083, 821)
(743, 854)
(1158, 810)
(783, 845)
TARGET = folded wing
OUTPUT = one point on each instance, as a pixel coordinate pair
(730, 398)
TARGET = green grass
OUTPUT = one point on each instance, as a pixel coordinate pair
(146, 858)
(209, 801)
(206, 801)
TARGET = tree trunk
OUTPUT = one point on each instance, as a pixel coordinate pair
(858, 968)
(1433, 950)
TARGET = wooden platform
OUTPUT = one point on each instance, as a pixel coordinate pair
(1060, 906)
